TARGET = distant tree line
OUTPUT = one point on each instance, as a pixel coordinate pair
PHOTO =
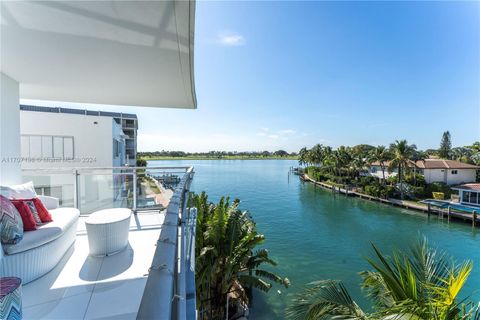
(216, 154)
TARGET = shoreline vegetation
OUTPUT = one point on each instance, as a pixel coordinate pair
(218, 155)
(349, 166)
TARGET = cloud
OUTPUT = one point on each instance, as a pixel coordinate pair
(230, 39)
(288, 131)
(276, 134)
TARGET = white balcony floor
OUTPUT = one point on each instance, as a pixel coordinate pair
(84, 287)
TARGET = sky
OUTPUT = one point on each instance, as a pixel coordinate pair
(284, 75)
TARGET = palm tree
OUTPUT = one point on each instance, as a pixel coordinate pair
(227, 263)
(358, 163)
(402, 152)
(475, 147)
(381, 155)
(421, 284)
(316, 154)
(342, 159)
(302, 156)
(417, 156)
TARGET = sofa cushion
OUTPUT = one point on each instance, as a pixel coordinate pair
(11, 224)
(20, 191)
(45, 216)
(28, 220)
(63, 219)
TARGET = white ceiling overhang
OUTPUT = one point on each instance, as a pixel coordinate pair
(135, 53)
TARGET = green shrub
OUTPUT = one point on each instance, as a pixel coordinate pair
(390, 191)
(367, 181)
(410, 179)
(419, 192)
(376, 190)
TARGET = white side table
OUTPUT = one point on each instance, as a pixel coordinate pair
(107, 231)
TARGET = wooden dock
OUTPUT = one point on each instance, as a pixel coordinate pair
(446, 213)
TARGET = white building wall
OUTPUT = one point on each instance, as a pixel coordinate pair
(93, 147)
(446, 176)
(9, 131)
(434, 175)
(92, 135)
(462, 176)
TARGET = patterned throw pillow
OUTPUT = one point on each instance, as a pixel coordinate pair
(33, 210)
(11, 225)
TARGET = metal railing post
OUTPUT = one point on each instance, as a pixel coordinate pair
(75, 189)
(134, 190)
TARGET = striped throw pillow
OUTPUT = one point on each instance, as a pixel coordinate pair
(11, 225)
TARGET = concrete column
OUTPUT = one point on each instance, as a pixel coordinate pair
(10, 165)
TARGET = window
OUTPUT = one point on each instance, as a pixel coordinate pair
(58, 147)
(47, 147)
(39, 146)
(454, 171)
(35, 146)
(473, 197)
(115, 148)
(68, 147)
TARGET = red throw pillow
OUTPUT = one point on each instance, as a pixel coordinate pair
(45, 216)
(28, 220)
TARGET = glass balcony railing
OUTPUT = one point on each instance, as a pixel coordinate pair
(92, 189)
(170, 288)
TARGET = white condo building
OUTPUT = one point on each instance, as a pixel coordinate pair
(73, 137)
(67, 138)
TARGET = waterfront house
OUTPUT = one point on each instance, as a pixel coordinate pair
(375, 170)
(133, 53)
(450, 172)
(469, 193)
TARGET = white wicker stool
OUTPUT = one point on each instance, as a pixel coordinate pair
(107, 231)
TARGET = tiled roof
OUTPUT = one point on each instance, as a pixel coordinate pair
(435, 164)
(386, 163)
(468, 186)
(444, 164)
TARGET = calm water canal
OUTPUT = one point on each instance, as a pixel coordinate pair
(314, 235)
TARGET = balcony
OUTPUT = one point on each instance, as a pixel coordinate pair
(153, 278)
